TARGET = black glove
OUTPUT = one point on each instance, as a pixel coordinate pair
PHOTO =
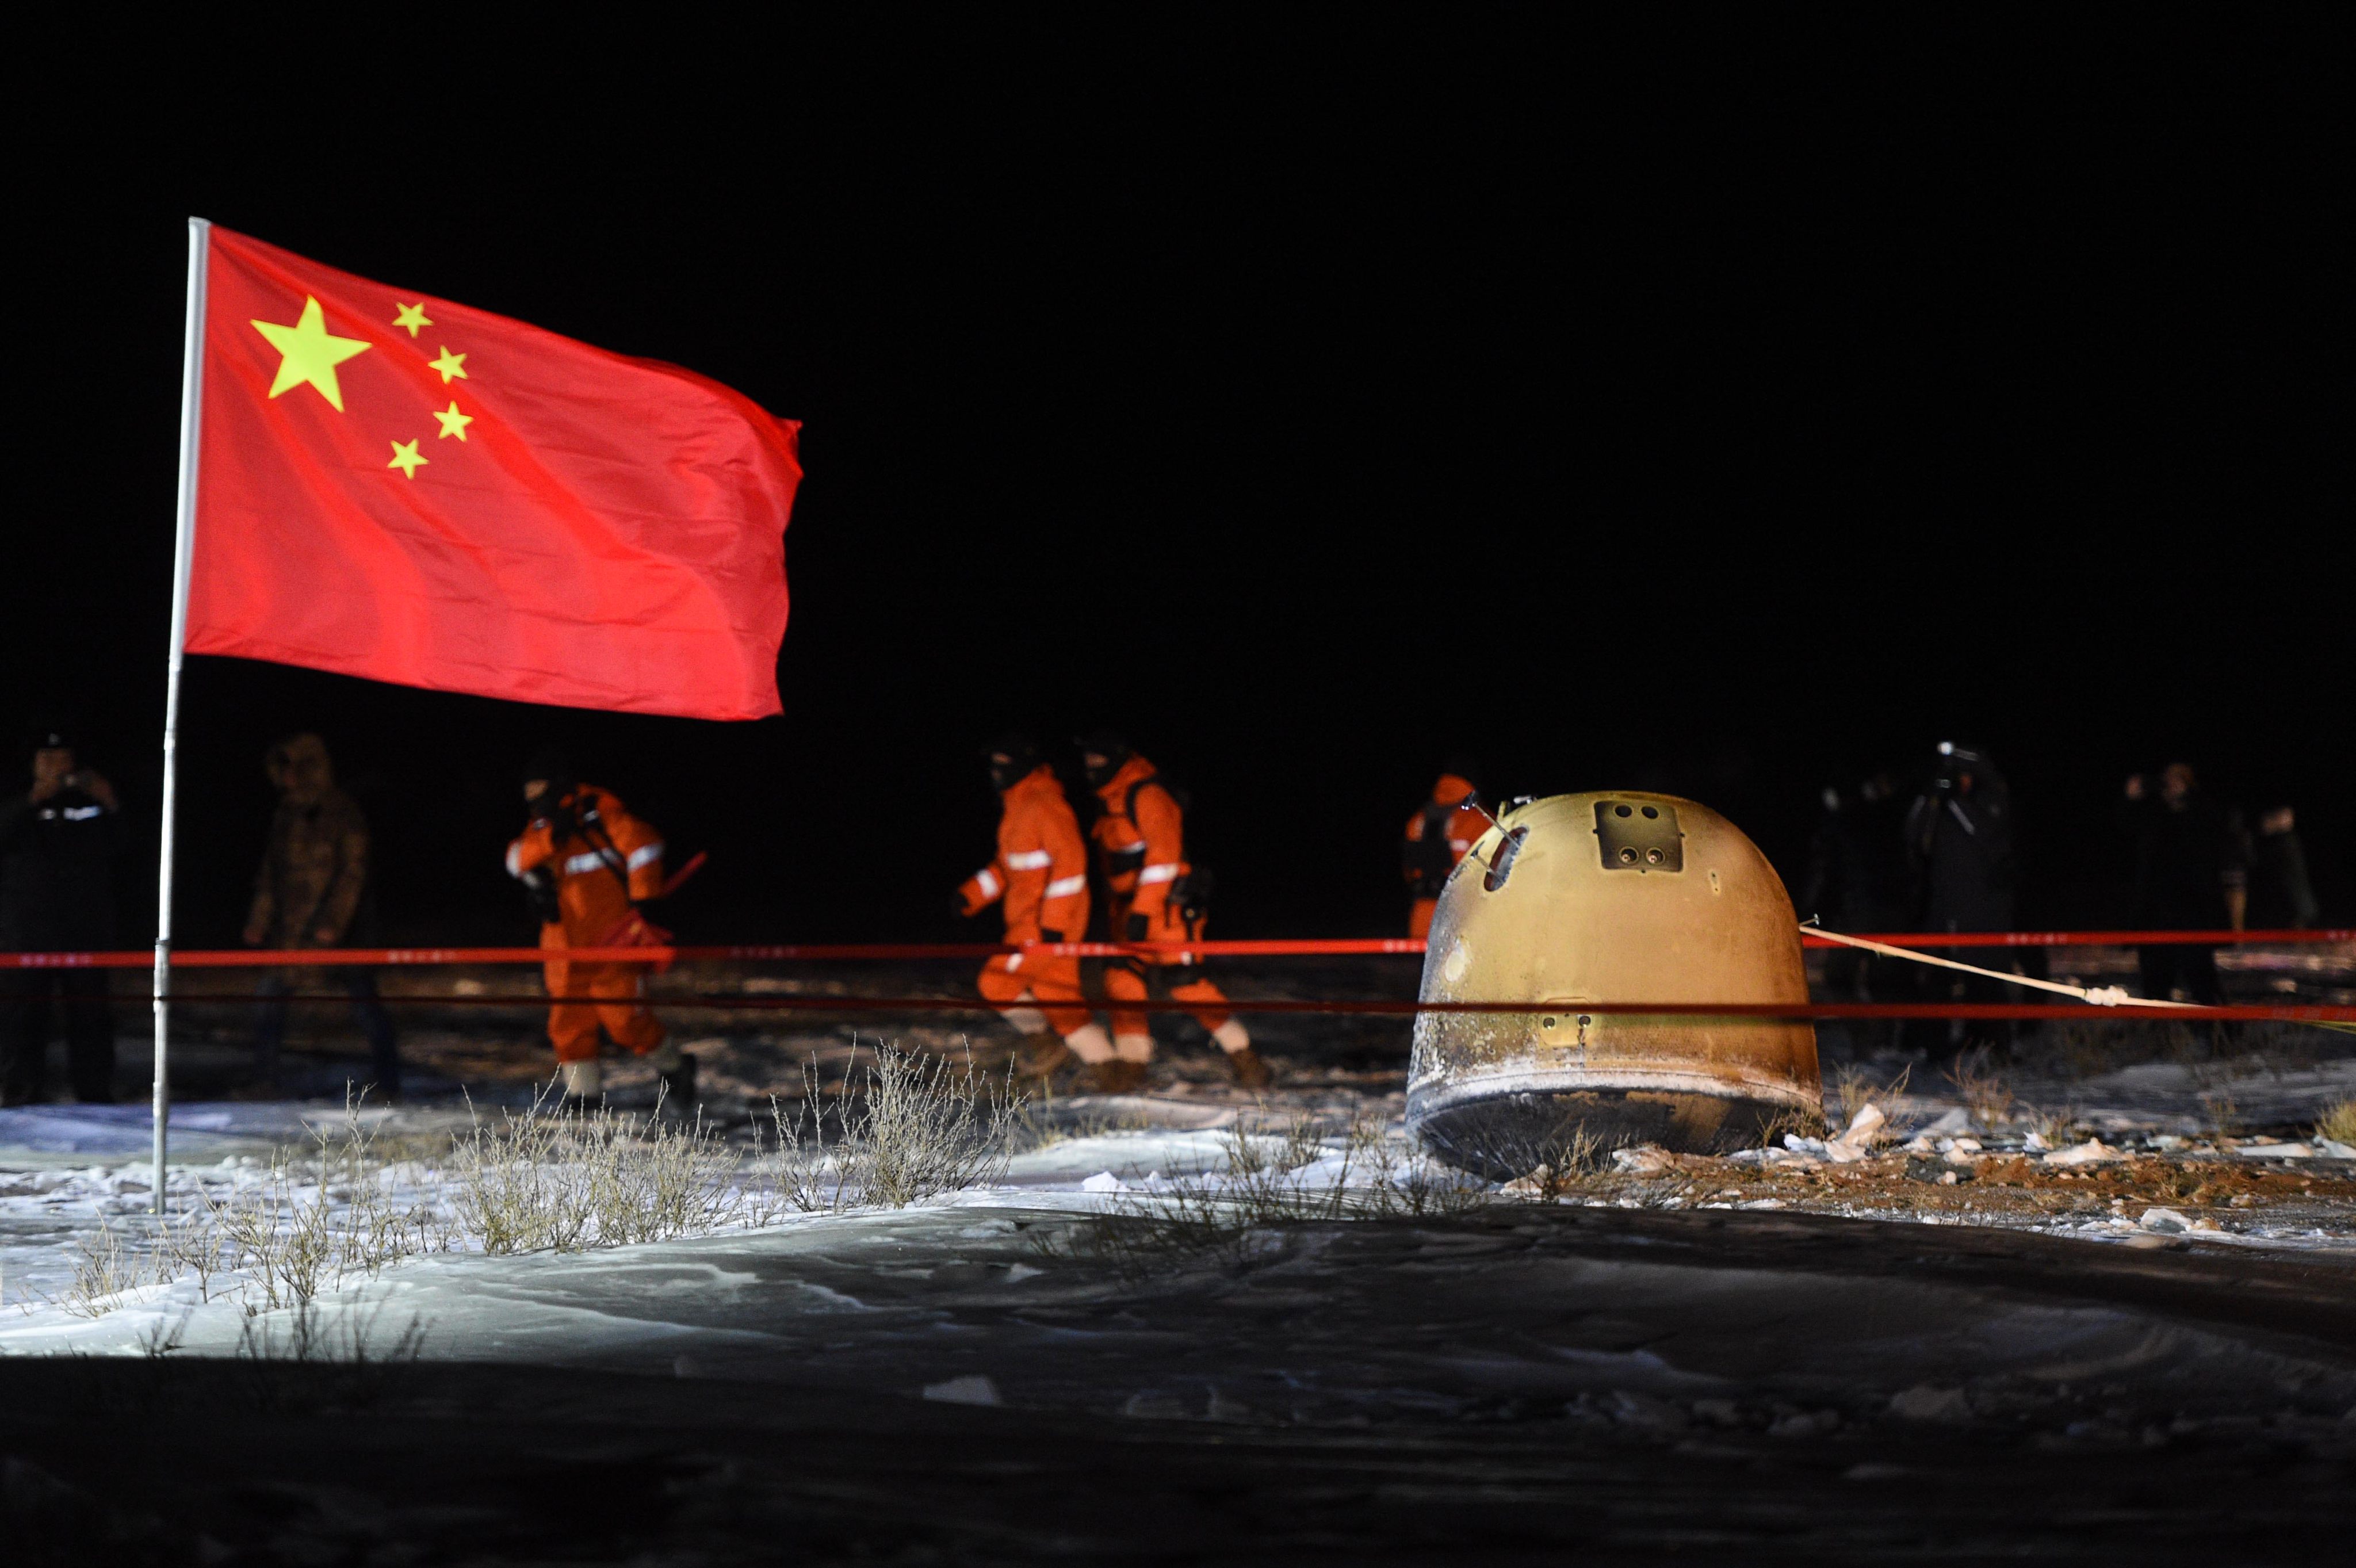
(540, 888)
(559, 817)
(1137, 927)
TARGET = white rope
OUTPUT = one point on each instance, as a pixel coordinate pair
(2100, 996)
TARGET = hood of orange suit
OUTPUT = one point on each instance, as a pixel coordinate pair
(1451, 789)
(1040, 780)
(1115, 789)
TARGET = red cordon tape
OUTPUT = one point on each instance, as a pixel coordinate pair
(1355, 946)
(2259, 1013)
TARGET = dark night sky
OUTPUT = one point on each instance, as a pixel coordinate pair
(1309, 407)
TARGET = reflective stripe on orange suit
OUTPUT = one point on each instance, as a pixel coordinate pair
(591, 900)
(1041, 874)
(1140, 886)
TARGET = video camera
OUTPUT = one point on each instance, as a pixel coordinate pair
(1956, 761)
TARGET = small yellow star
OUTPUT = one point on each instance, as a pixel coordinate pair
(450, 365)
(307, 351)
(410, 316)
(405, 458)
(453, 422)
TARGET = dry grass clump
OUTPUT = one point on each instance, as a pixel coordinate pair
(307, 1226)
(103, 1271)
(313, 1221)
(1571, 1162)
(1094, 1122)
(2221, 1114)
(1230, 1213)
(1982, 1088)
(1790, 1121)
(1546, 1160)
(1854, 1088)
(2057, 1124)
(910, 1125)
(2211, 1053)
(551, 1179)
(2338, 1123)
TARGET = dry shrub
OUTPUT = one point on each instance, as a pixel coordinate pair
(1571, 1163)
(1094, 1121)
(1792, 1122)
(1981, 1088)
(910, 1125)
(2221, 1114)
(1854, 1088)
(2338, 1123)
(1542, 1156)
(1231, 1213)
(2057, 1124)
(309, 1224)
(103, 1271)
(553, 1178)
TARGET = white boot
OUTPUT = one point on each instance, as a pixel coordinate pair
(1026, 1020)
(1133, 1048)
(1232, 1037)
(584, 1080)
(1089, 1043)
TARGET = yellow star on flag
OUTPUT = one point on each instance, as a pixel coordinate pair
(405, 458)
(453, 422)
(450, 365)
(309, 352)
(410, 316)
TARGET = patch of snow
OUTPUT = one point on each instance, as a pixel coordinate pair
(1646, 1159)
(2093, 1152)
(1925, 1402)
(974, 1388)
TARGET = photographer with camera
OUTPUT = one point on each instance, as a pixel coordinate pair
(1959, 843)
(587, 865)
(58, 843)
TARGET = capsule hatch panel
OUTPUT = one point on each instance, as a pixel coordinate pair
(1639, 835)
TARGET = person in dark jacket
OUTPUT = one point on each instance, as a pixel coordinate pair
(1959, 839)
(312, 891)
(58, 843)
(2281, 895)
(2190, 876)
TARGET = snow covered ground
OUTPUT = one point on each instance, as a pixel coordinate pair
(967, 1380)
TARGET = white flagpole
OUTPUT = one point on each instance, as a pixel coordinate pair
(192, 408)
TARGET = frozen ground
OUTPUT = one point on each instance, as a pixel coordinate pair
(954, 1383)
(2098, 1298)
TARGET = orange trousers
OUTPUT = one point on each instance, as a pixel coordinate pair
(617, 989)
(1053, 984)
(1127, 982)
(1418, 918)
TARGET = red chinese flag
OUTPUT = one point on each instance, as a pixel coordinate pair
(400, 488)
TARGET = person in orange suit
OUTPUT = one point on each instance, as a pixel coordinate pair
(1156, 897)
(1039, 879)
(587, 864)
(1438, 835)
